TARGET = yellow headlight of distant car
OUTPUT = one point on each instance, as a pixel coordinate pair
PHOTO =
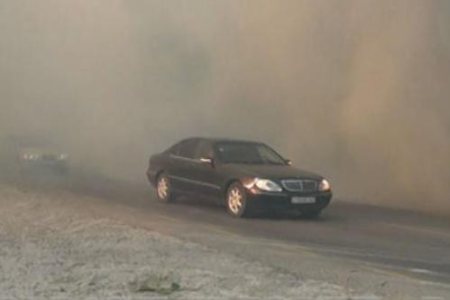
(30, 156)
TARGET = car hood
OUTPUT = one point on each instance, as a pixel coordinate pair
(272, 172)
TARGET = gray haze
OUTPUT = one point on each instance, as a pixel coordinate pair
(357, 90)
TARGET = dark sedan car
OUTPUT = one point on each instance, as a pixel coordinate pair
(245, 176)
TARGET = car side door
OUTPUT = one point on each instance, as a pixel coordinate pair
(206, 173)
(183, 166)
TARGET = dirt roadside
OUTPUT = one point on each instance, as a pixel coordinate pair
(56, 245)
(51, 250)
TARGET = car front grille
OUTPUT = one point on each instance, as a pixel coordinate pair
(300, 185)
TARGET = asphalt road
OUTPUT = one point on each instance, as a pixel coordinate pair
(408, 243)
(395, 243)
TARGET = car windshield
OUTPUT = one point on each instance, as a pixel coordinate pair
(248, 153)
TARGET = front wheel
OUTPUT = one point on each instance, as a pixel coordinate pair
(237, 204)
(164, 189)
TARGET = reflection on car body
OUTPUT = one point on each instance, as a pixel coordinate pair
(246, 176)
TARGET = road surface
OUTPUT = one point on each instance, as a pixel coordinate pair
(392, 243)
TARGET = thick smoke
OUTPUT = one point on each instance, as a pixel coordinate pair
(354, 89)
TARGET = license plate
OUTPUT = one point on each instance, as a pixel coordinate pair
(303, 200)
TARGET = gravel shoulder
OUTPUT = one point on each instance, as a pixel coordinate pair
(51, 250)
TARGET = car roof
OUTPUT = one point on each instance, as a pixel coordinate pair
(222, 140)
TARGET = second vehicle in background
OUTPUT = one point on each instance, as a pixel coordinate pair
(36, 156)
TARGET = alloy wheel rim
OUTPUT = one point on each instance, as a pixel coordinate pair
(163, 188)
(235, 201)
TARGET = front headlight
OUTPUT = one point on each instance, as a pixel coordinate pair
(30, 156)
(263, 184)
(325, 186)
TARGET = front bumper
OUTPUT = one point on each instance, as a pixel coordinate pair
(283, 201)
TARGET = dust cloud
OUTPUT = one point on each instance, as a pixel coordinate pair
(354, 89)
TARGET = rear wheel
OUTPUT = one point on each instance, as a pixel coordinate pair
(164, 189)
(237, 204)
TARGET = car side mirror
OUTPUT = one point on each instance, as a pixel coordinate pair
(207, 161)
(288, 162)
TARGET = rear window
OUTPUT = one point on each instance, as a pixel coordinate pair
(174, 150)
(187, 149)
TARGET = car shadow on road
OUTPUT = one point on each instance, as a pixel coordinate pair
(209, 206)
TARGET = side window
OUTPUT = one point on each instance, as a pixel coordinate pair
(268, 155)
(204, 150)
(188, 148)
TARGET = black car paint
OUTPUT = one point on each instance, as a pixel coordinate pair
(211, 180)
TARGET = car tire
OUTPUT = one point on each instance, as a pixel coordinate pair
(163, 189)
(236, 201)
